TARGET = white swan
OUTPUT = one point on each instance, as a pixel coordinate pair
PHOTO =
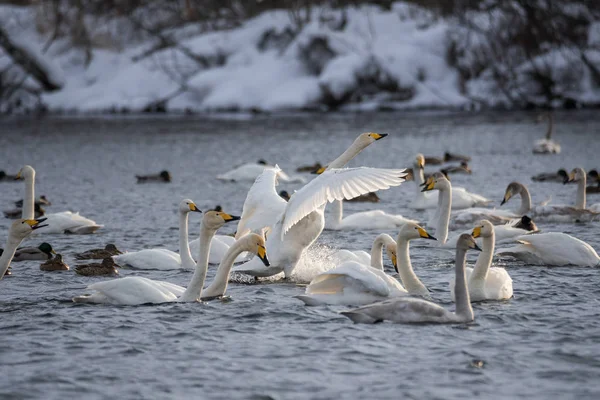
(441, 219)
(163, 258)
(486, 282)
(301, 220)
(135, 290)
(18, 231)
(546, 145)
(250, 171)
(353, 283)
(552, 248)
(63, 222)
(373, 219)
(554, 213)
(414, 310)
(461, 199)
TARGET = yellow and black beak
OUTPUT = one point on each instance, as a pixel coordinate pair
(319, 171)
(507, 197)
(476, 232)
(421, 162)
(395, 263)
(262, 254)
(35, 223)
(18, 177)
(428, 185)
(378, 136)
(424, 234)
(193, 207)
(228, 217)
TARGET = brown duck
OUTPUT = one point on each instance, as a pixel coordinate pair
(106, 267)
(99, 254)
(55, 264)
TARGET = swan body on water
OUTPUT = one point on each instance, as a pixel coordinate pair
(353, 283)
(163, 258)
(484, 281)
(136, 290)
(546, 145)
(415, 310)
(365, 220)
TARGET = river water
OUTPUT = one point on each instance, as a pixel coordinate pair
(264, 344)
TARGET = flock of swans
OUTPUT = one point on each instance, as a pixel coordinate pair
(273, 236)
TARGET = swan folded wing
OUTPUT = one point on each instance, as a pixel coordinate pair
(263, 206)
(134, 290)
(338, 184)
(347, 275)
(399, 309)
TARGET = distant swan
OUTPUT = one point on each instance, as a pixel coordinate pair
(135, 290)
(63, 222)
(414, 310)
(250, 171)
(546, 145)
(353, 283)
(163, 258)
(372, 219)
(484, 281)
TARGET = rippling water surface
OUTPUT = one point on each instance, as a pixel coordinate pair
(543, 343)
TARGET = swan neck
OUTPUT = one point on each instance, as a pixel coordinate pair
(377, 253)
(419, 178)
(550, 127)
(463, 300)
(581, 193)
(444, 208)
(525, 201)
(219, 284)
(409, 279)
(8, 254)
(29, 198)
(484, 261)
(348, 155)
(184, 248)
(194, 289)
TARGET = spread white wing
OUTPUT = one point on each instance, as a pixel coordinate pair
(263, 206)
(338, 184)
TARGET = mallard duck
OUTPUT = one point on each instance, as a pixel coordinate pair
(526, 223)
(366, 198)
(42, 201)
(463, 168)
(16, 213)
(99, 254)
(217, 208)
(8, 177)
(595, 178)
(106, 267)
(55, 264)
(163, 176)
(43, 252)
(558, 176)
(309, 168)
(449, 157)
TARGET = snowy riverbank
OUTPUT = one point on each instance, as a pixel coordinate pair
(403, 58)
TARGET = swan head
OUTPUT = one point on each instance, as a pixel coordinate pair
(483, 228)
(576, 175)
(21, 228)
(437, 181)
(27, 172)
(213, 220)
(512, 189)
(419, 161)
(466, 242)
(256, 244)
(187, 206)
(411, 231)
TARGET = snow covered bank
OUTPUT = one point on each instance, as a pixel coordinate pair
(363, 58)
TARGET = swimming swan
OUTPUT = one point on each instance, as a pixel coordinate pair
(63, 222)
(414, 310)
(546, 145)
(552, 248)
(296, 224)
(163, 258)
(373, 219)
(486, 282)
(461, 199)
(135, 290)
(353, 283)
(18, 231)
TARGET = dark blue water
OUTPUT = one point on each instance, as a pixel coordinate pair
(263, 343)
